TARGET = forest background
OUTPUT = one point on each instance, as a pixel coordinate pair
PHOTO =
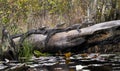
(22, 15)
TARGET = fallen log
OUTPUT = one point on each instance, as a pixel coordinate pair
(68, 40)
(74, 39)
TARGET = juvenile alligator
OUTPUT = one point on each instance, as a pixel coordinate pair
(73, 27)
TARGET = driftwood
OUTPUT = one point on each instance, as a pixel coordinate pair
(71, 40)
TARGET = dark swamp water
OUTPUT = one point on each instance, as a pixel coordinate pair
(78, 62)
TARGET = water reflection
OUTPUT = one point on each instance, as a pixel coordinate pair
(80, 62)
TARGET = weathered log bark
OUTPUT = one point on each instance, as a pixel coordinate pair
(68, 40)
(73, 38)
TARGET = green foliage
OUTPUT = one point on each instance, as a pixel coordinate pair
(38, 53)
(25, 52)
(14, 29)
(15, 10)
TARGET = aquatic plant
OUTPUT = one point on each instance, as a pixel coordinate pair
(38, 53)
(25, 52)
